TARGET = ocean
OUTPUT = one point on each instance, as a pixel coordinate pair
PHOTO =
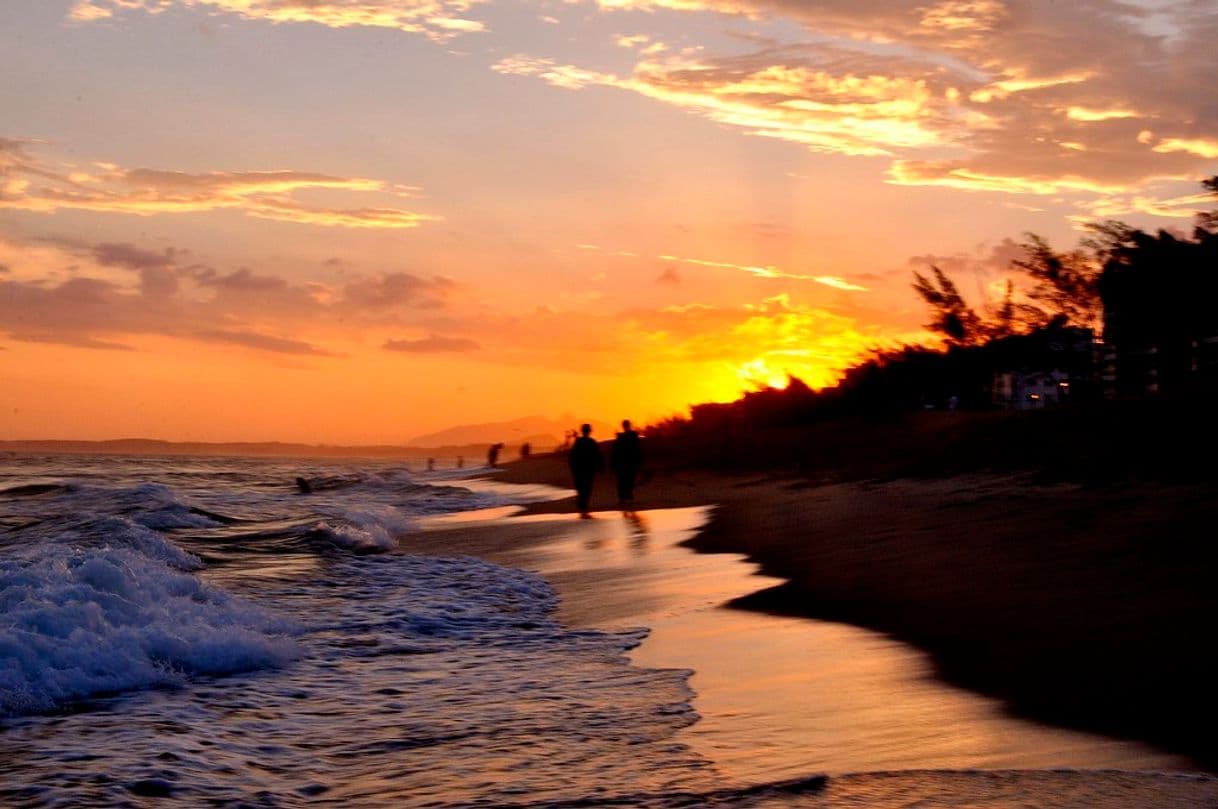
(200, 630)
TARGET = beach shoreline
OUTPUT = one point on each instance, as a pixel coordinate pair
(778, 698)
(1081, 607)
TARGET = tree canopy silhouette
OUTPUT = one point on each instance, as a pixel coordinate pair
(1209, 219)
(1063, 284)
(952, 316)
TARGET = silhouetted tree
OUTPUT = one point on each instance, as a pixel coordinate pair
(1066, 284)
(1159, 294)
(953, 317)
(1003, 324)
(1208, 220)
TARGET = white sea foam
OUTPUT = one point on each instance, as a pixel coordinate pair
(161, 509)
(120, 532)
(78, 621)
(368, 528)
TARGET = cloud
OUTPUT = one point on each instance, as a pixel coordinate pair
(1118, 205)
(124, 254)
(439, 20)
(816, 100)
(669, 276)
(1088, 114)
(240, 280)
(981, 273)
(79, 311)
(73, 340)
(155, 268)
(630, 41)
(838, 283)
(29, 183)
(1202, 147)
(954, 16)
(263, 342)
(955, 174)
(770, 271)
(1034, 98)
(100, 295)
(433, 344)
(398, 289)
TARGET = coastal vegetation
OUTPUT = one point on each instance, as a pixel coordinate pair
(1122, 328)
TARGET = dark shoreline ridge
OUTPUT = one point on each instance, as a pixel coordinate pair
(1088, 607)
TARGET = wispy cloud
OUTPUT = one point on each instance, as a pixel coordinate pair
(31, 183)
(432, 344)
(1202, 147)
(770, 271)
(785, 97)
(377, 293)
(838, 283)
(263, 342)
(437, 19)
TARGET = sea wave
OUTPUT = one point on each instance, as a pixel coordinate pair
(125, 612)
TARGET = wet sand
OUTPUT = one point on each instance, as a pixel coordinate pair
(1083, 607)
(779, 697)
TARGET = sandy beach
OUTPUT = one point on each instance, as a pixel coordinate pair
(1073, 607)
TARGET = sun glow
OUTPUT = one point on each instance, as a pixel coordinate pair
(760, 374)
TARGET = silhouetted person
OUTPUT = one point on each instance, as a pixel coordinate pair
(492, 455)
(585, 461)
(525, 450)
(460, 461)
(625, 459)
(431, 464)
(304, 486)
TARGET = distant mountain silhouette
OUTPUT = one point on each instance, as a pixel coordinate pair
(469, 440)
(542, 432)
(150, 446)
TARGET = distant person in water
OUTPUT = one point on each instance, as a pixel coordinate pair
(526, 450)
(585, 461)
(625, 458)
(304, 486)
(492, 455)
(431, 464)
(460, 461)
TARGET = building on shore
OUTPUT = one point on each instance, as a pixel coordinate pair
(1044, 369)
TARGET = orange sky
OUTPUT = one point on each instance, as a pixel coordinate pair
(360, 221)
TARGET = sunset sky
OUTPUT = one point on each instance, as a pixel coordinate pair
(360, 220)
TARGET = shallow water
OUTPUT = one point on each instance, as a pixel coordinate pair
(781, 697)
(197, 629)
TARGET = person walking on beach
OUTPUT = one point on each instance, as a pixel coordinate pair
(585, 461)
(625, 459)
